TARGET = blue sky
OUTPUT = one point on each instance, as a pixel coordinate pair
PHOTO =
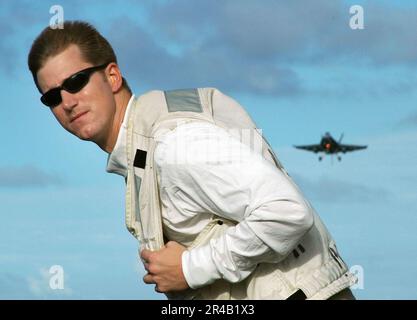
(298, 69)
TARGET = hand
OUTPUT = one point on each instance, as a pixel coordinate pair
(165, 268)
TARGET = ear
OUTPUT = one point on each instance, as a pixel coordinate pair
(114, 77)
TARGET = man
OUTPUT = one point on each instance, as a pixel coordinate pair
(215, 219)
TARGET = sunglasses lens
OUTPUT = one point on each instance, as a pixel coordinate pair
(76, 82)
(52, 98)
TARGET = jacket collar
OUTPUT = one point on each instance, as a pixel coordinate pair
(117, 159)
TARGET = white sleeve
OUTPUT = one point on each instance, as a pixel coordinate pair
(222, 176)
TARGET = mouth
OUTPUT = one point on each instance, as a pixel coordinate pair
(77, 116)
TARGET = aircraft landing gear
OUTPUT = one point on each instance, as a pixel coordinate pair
(339, 158)
(320, 158)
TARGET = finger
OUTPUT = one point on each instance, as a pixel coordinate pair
(145, 254)
(148, 279)
(157, 289)
(170, 244)
(146, 266)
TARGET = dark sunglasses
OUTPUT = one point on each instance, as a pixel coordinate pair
(72, 84)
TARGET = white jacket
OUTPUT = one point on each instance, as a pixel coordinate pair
(270, 244)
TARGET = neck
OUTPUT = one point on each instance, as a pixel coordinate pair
(122, 100)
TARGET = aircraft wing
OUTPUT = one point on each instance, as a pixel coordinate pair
(350, 147)
(311, 147)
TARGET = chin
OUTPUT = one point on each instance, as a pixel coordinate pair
(86, 134)
(85, 138)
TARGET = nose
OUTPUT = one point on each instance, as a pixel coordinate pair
(69, 100)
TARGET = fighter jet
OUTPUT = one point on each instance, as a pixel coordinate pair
(328, 145)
